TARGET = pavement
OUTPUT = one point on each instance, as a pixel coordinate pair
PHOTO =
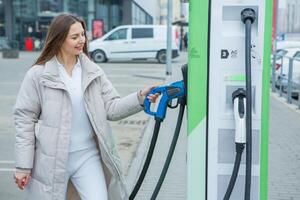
(134, 133)
(284, 150)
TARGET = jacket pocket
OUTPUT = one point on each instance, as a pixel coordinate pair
(36, 190)
(46, 139)
(43, 167)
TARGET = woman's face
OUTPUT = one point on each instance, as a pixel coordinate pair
(74, 43)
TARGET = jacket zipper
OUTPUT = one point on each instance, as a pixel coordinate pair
(105, 151)
(68, 96)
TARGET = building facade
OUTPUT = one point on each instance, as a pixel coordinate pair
(179, 11)
(180, 16)
(20, 19)
(288, 16)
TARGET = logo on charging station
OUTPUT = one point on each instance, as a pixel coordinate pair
(224, 53)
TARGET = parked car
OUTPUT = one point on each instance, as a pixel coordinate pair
(134, 42)
(282, 67)
(287, 44)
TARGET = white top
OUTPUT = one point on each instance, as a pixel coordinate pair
(81, 136)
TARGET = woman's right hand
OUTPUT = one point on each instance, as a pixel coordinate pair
(21, 179)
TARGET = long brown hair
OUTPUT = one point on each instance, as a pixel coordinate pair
(57, 34)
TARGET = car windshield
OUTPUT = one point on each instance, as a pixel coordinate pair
(118, 35)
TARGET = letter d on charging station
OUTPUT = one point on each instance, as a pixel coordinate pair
(217, 69)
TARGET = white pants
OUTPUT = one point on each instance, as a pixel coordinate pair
(86, 173)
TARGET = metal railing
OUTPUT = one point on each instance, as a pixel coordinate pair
(283, 83)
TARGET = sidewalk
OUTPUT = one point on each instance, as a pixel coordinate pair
(174, 186)
(284, 150)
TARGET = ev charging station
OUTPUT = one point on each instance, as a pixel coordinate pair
(223, 45)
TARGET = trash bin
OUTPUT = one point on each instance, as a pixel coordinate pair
(29, 44)
(11, 51)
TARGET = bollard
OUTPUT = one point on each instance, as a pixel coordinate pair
(281, 77)
(290, 77)
(280, 85)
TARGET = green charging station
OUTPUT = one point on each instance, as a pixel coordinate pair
(217, 52)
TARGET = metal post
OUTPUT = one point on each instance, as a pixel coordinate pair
(21, 39)
(289, 86)
(281, 77)
(169, 39)
(91, 14)
(280, 85)
(8, 17)
(65, 6)
(274, 49)
(277, 24)
(273, 71)
(298, 95)
(181, 27)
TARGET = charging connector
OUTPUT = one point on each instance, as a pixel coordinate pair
(239, 111)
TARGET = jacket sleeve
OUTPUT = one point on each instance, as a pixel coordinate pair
(26, 113)
(116, 107)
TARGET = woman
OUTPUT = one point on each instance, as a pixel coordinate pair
(61, 113)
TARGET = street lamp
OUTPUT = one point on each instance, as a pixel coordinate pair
(169, 39)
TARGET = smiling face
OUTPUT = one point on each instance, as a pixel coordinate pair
(75, 40)
(66, 35)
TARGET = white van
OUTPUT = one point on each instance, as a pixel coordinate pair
(134, 42)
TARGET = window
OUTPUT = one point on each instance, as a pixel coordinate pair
(79, 7)
(110, 11)
(142, 33)
(149, 19)
(140, 16)
(120, 34)
(2, 20)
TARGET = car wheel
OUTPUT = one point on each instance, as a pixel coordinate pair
(99, 56)
(162, 56)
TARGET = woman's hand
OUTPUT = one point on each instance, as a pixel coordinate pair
(151, 97)
(21, 179)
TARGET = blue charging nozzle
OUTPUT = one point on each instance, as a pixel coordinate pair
(169, 92)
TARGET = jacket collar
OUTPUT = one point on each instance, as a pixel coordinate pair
(51, 78)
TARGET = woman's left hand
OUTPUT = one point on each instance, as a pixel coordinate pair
(151, 97)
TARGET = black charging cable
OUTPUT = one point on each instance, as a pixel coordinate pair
(148, 159)
(248, 17)
(171, 151)
(182, 102)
